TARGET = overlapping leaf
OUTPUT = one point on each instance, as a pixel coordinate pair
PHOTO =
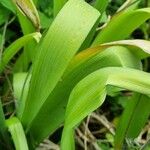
(16, 130)
(122, 25)
(15, 47)
(90, 93)
(82, 64)
(62, 41)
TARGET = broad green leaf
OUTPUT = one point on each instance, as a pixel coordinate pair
(64, 38)
(90, 93)
(15, 47)
(57, 100)
(58, 4)
(81, 65)
(133, 119)
(16, 130)
(122, 25)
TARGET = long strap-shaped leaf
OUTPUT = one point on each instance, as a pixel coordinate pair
(90, 93)
(82, 64)
(133, 119)
(122, 25)
(17, 133)
(15, 47)
(64, 38)
(57, 101)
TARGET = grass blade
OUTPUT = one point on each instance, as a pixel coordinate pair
(17, 133)
(133, 119)
(89, 61)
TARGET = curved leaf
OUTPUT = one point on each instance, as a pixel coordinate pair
(17, 133)
(15, 47)
(122, 25)
(57, 100)
(90, 93)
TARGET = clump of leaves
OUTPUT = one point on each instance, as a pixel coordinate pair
(67, 74)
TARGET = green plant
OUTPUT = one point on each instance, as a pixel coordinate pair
(67, 73)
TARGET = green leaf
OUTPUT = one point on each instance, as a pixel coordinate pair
(15, 47)
(62, 41)
(82, 65)
(17, 133)
(140, 48)
(45, 21)
(8, 4)
(58, 4)
(90, 93)
(30, 22)
(133, 119)
(122, 25)
(101, 5)
(27, 8)
(129, 5)
(21, 87)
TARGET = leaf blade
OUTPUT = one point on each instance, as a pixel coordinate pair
(67, 26)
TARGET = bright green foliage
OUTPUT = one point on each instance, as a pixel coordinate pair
(81, 103)
(121, 25)
(64, 76)
(72, 28)
(15, 47)
(16, 130)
